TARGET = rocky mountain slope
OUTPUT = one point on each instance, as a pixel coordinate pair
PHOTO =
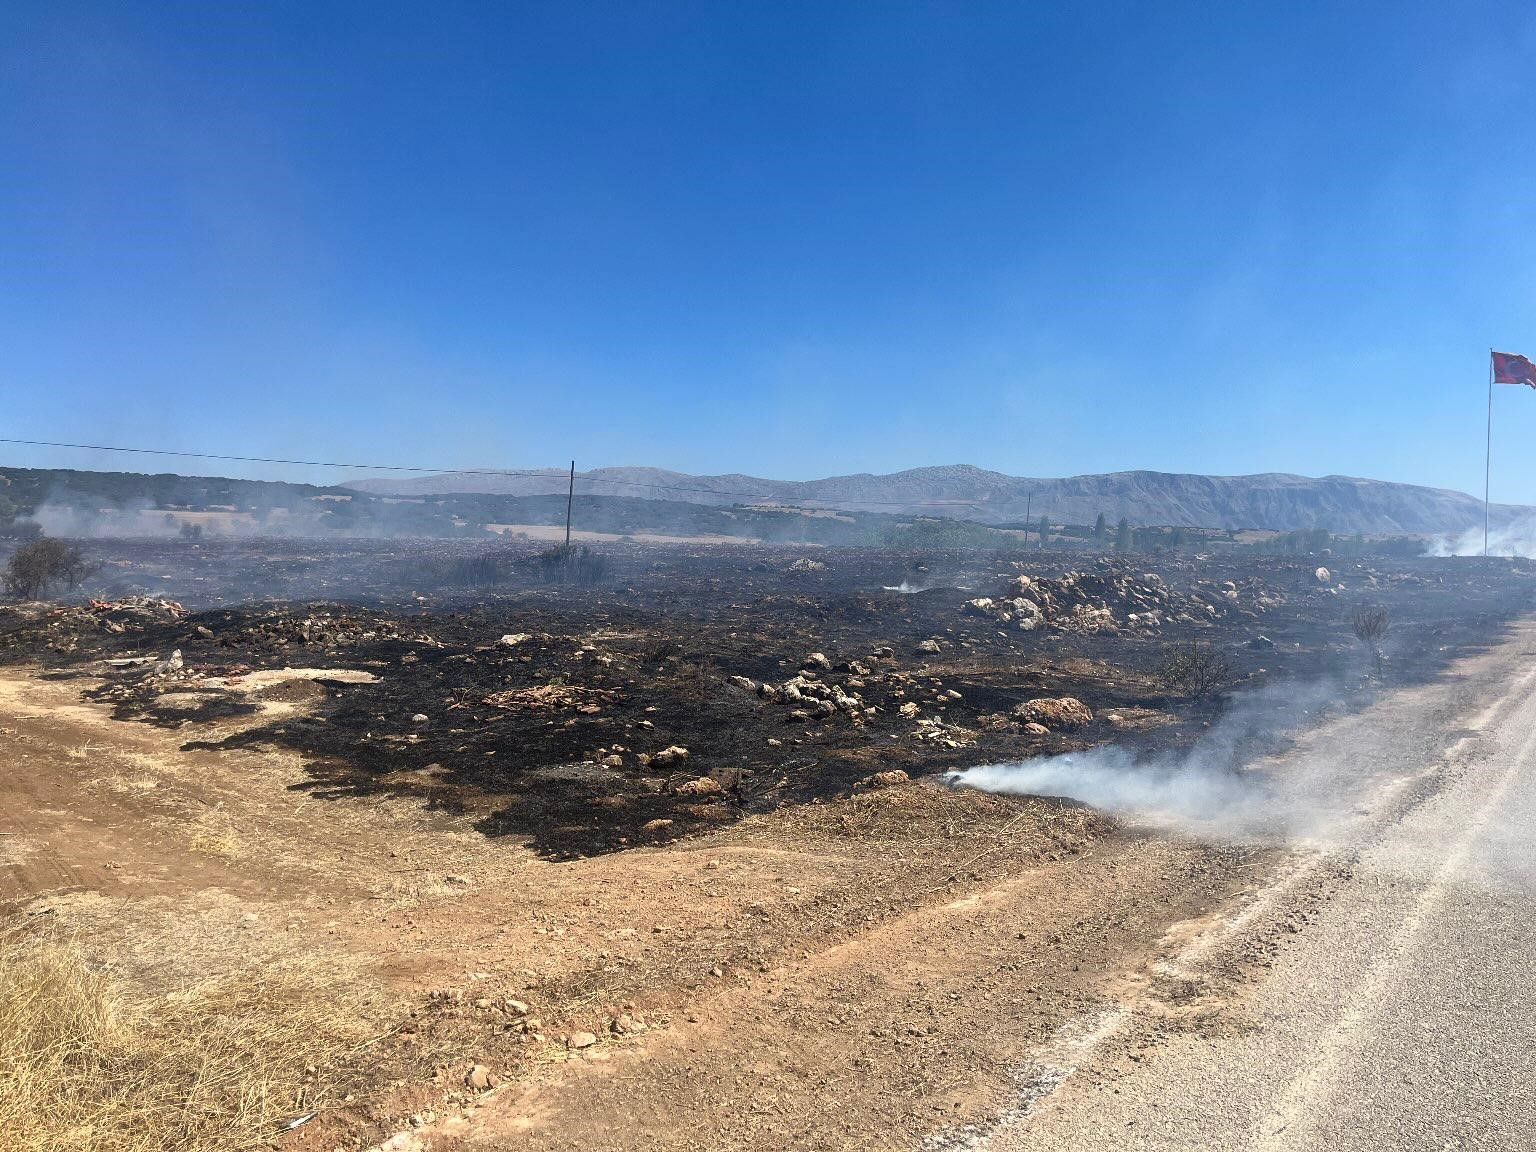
(1271, 500)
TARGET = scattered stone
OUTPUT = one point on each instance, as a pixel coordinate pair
(929, 647)
(818, 661)
(580, 1040)
(1261, 643)
(668, 757)
(513, 639)
(699, 786)
(516, 1007)
(1323, 576)
(479, 1078)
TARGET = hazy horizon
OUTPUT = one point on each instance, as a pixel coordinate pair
(788, 242)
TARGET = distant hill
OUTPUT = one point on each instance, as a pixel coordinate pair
(1271, 500)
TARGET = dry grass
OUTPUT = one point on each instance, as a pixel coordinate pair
(213, 834)
(89, 1064)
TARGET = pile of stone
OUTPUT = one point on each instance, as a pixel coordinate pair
(321, 630)
(1109, 600)
(116, 616)
(810, 697)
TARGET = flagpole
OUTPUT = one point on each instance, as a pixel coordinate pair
(1488, 454)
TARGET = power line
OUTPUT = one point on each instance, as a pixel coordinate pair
(543, 473)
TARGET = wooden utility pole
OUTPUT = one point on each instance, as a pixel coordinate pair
(570, 495)
(1028, 499)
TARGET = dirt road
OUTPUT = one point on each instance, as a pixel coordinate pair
(1400, 1008)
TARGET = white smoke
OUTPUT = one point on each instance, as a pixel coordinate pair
(1517, 538)
(1215, 787)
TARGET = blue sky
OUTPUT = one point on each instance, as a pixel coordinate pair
(792, 240)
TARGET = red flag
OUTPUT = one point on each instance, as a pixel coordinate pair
(1511, 369)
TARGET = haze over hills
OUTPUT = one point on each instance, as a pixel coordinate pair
(1272, 500)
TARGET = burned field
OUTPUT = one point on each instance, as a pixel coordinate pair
(449, 835)
(688, 687)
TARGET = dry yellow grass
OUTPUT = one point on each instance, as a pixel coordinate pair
(88, 1063)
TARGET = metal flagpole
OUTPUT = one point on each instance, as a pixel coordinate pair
(1488, 453)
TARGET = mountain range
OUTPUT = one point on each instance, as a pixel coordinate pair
(1270, 500)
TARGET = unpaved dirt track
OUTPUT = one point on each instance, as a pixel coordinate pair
(1400, 1011)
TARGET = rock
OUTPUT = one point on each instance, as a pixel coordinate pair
(205, 632)
(580, 1040)
(1261, 643)
(700, 786)
(887, 779)
(1027, 615)
(485, 1004)
(613, 761)
(909, 709)
(743, 682)
(479, 1078)
(516, 1007)
(671, 755)
(818, 661)
(805, 565)
(456, 879)
(513, 639)
(1036, 729)
(626, 1025)
(172, 663)
(421, 718)
(1323, 576)
(929, 647)
(402, 1142)
(981, 606)
(1063, 712)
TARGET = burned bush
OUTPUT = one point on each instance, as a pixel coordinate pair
(1193, 669)
(39, 565)
(1370, 626)
(570, 564)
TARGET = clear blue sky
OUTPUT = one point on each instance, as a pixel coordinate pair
(784, 239)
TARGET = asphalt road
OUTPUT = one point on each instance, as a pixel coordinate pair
(1395, 1007)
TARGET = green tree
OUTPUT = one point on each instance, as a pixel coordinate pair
(1123, 535)
(1100, 529)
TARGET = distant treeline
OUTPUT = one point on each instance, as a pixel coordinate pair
(70, 502)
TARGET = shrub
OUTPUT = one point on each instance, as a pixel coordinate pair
(570, 564)
(1194, 669)
(1371, 625)
(37, 566)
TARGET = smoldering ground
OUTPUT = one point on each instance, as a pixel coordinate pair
(1221, 786)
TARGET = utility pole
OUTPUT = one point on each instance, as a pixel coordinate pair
(1028, 499)
(570, 495)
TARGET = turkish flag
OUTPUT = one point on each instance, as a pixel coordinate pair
(1511, 369)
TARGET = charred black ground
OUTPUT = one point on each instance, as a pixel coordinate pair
(557, 712)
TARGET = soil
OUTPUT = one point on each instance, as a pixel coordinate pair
(790, 957)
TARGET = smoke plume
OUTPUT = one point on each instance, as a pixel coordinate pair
(1216, 787)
